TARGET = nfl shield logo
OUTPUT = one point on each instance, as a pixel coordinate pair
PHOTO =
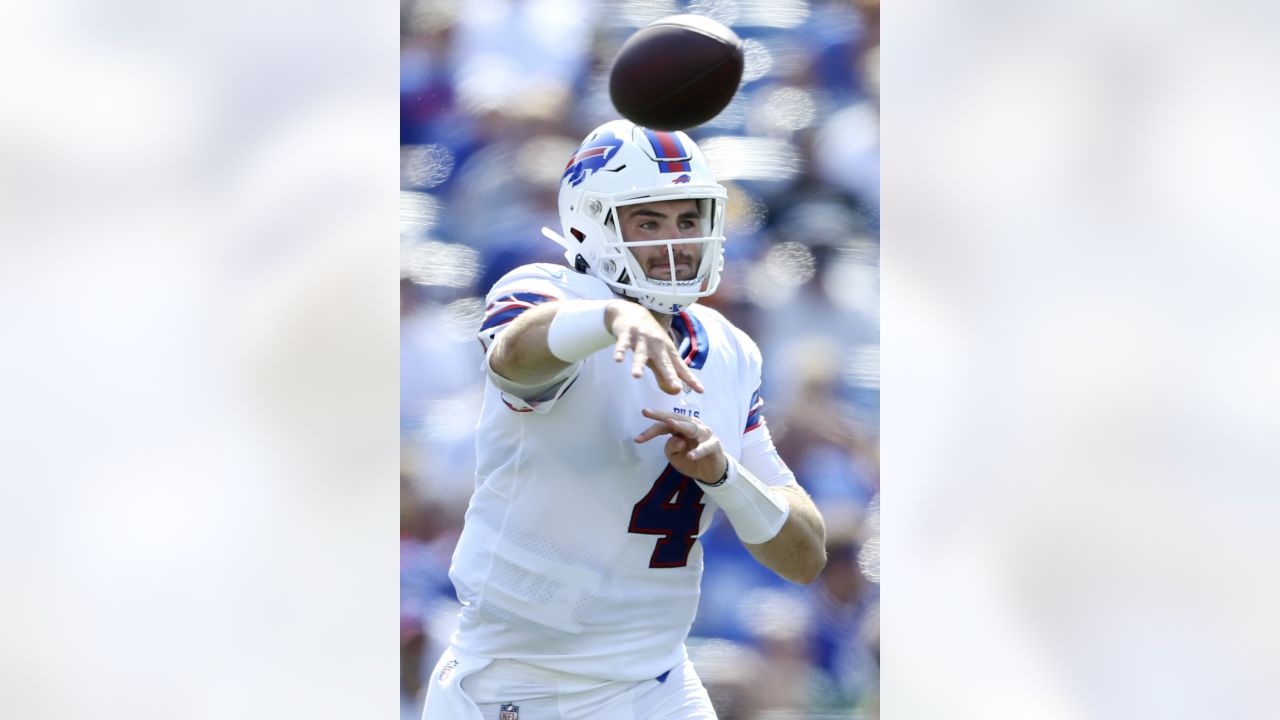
(509, 712)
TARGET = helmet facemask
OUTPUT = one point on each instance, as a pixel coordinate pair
(623, 271)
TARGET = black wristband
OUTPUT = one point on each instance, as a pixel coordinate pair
(722, 479)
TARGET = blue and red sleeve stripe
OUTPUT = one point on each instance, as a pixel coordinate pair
(755, 416)
(552, 393)
(509, 307)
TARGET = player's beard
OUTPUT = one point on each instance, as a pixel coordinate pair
(686, 268)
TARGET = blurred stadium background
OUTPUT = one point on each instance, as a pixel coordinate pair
(495, 95)
(1081, 346)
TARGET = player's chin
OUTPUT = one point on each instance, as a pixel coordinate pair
(681, 276)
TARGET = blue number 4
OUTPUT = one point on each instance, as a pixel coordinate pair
(673, 510)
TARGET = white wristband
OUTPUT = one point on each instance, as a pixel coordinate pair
(756, 511)
(578, 330)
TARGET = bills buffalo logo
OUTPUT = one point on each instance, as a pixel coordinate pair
(448, 670)
(593, 155)
(681, 179)
(509, 712)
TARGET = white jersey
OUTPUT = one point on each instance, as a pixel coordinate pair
(580, 551)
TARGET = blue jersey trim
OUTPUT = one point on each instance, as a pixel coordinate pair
(695, 346)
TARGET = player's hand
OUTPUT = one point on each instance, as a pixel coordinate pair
(693, 448)
(650, 344)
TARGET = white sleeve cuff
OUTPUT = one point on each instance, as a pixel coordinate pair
(756, 511)
(578, 330)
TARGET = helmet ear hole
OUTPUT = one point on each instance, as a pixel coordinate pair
(580, 264)
(581, 236)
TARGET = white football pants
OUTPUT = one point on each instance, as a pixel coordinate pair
(464, 687)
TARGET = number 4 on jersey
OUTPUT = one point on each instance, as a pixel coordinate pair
(672, 509)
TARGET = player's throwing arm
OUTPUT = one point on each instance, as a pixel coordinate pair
(542, 342)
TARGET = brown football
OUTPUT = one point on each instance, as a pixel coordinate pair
(676, 73)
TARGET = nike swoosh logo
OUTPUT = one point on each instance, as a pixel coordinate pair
(558, 274)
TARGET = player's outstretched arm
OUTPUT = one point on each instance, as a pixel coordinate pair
(779, 525)
(546, 339)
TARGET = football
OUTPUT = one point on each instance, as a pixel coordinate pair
(676, 73)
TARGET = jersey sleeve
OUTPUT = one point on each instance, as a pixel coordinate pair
(518, 291)
(755, 413)
(761, 459)
(759, 456)
(511, 296)
(752, 372)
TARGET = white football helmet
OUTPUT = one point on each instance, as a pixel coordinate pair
(620, 164)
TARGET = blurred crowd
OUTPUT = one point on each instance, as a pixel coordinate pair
(495, 96)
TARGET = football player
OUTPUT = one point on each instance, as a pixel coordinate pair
(618, 418)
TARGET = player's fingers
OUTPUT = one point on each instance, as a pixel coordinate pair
(686, 374)
(683, 427)
(676, 444)
(704, 449)
(653, 431)
(639, 357)
(620, 347)
(668, 380)
(656, 414)
(665, 415)
(661, 415)
(692, 380)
